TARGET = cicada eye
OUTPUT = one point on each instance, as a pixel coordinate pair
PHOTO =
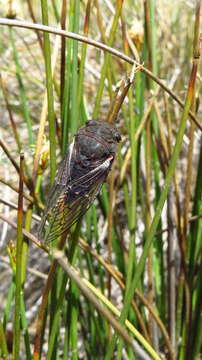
(118, 137)
(90, 122)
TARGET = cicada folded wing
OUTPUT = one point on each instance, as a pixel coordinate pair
(58, 188)
(69, 202)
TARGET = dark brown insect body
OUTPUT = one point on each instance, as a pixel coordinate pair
(80, 177)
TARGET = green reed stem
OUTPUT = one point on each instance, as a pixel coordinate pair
(16, 344)
(23, 98)
(133, 202)
(82, 62)
(106, 59)
(74, 79)
(24, 325)
(49, 86)
(3, 345)
(74, 320)
(67, 84)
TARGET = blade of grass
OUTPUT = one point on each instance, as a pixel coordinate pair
(83, 58)
(31, 11)
(74, 297)
(66, 108)
(13, 124)
(63, 48)
(196, 336)
(74, 73)
(196, 226)
(7, 311)
(106, 59)
(23, 99)
(151, 60)
(55, 9)
(49, 86)
(3, 345)
(16, 344)
(24, 325)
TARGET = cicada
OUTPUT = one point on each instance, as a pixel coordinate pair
(80, 177)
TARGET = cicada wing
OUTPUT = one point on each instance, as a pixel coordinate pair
(59, 186)
(54, 194)
(65, 169)
(74, 200)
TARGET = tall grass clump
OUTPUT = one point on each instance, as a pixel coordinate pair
(125, 281)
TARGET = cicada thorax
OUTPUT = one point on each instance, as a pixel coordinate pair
(91, 152)
(97, 139)
(91, 149)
